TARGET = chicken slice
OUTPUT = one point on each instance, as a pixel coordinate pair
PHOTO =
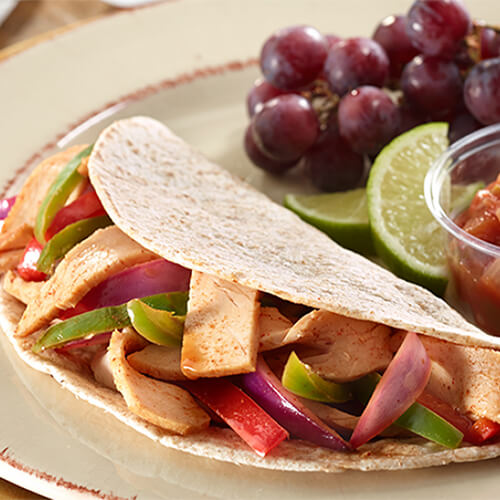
(467, 378)
(106, 252)
(10, 259)
(18, 226)
(162, 404)
(340, 348)
(273, 328)
(24, 291)
(158, 361)
(221, 330)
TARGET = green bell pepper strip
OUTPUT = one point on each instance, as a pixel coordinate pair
(104, 320)
(417, 419)
(67, 238)
(301, 380)
(157, 326)
(59, 192)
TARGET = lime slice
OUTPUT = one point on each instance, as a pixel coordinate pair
(342, 216)
(406, 236)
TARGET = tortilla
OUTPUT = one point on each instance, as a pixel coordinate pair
(184, 208)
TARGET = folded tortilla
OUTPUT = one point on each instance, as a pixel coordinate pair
(178, 205)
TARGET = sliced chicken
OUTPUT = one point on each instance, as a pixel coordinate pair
(467, 378)
(24, 291)
(157, 361)
(162, 404)
(101, 368)
(221, 330)
(107, 252)
(340, 348)
(10, 259)
(17, 229)
(273, 328)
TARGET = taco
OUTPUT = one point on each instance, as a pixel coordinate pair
(155, 285)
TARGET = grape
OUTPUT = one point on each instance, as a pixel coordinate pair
(293, 57)
(409, 117)
(331, 164)
(354, 62)
(260, 159)
(286, 127)
(436, 27)
(482, 91)
(332, 39)
(461, 125)
(432, 85)
(489, 43)
(368, 119)
(260, 93)
(391, 35)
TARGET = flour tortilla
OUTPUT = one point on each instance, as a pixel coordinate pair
(179, 205)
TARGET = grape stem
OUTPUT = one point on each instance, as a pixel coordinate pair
(323, 101)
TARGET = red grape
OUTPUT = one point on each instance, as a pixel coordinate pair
(331, 164)
(293, 57)
(286, 127)
(354, 62)
(260, 159)
(489, 43)
(368, 119)
(461, 125)
(260, 93)
(332, 39)
(482, 91)
(409, 117)
(391, 35)
(436, 27)
(432, 85)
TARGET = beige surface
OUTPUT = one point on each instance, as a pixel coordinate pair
(193, 118)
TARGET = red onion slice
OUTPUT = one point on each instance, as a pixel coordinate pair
(403, 381)
(5, 206)
(151, 278)
(265, 388)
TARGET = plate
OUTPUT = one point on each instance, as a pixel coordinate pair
(188, 63)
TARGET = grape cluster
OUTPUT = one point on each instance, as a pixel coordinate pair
(331, 104)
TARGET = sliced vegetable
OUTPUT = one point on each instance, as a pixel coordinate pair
(27, 268)
(5, 206)
(300, 379)
(263, 386)
(84, 207)
(417, 419)
(157, 326)
(67, 238)
(87, 324)
(100, 339)
(151, 278)
(403, 381)
(259, 430)
(484, 429)
(104, 320)
(59, 192)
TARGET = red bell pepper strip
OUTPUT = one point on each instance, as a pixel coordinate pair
(84, 207)
(484, 429)
(27, 267)
(258, 429)
(5, 206)
(444, 410)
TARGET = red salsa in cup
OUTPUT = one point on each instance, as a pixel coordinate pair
(476, 275)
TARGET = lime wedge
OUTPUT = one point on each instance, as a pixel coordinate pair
(462, 195)
(342, 216)
(406, 236)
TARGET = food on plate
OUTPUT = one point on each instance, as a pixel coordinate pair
(477, 277)
(217, 322)
(434, 63)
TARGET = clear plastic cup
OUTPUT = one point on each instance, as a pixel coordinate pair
(474, 264)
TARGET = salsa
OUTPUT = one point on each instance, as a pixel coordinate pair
(477, 276)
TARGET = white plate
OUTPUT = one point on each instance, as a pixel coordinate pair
(186, 63)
